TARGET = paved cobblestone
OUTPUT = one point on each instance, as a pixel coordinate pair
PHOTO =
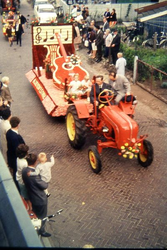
(122, 207)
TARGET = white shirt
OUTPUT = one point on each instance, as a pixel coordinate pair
(74, 12)
(4, 127)
(108, 40)
(21, 163)
(74, 86)
(120, 66)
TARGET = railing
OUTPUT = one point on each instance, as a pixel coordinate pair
(151, 79)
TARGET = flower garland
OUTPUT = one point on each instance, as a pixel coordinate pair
(74, 59)
(70, 96)
(82, 88)
(53, 22)
(68, 19)
(130, 151)
(35, 22)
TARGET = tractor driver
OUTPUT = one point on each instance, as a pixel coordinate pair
(119, 84)
(99, 86)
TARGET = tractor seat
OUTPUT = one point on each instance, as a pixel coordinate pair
(129, 99)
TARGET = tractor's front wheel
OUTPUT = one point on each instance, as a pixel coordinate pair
(76, 129)
(145, 158)
(94, 159)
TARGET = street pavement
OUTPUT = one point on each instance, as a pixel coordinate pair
(122, 207)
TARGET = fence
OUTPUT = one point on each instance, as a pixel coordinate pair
(151, 79)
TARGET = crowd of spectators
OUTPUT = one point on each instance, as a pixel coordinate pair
(31, 173)
(102, 41)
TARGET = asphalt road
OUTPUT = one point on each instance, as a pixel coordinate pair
(122, 207)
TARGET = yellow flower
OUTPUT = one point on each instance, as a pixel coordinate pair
(125, 156)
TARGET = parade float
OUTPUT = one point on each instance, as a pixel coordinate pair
(54, 65)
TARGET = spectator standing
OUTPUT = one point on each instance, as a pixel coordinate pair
(113, 18)
(13, 140)
(78, 8)
(119, 84)
(120, 64)
(22, 19)
(77, 36)
(4, 127)
(5, 91)
(91, 39)
(115, 45)
(105, 25)
(19, 31)
(74, 11)
(9, 34)
(107, 15)
(21, 152)
(99, 43)
(79, 19)
(107, 42)
(2, 107)
(35, 187)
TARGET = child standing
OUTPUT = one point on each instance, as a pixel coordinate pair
(120, 64)
(44, 169)
(5, 91)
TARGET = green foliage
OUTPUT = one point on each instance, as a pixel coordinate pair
(155, 58)
(129, 53)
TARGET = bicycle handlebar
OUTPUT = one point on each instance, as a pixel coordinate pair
(52, 215)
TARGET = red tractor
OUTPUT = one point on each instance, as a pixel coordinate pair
(122, 132)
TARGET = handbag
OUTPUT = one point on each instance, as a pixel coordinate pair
(86, 43)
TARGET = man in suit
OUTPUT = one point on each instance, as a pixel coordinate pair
(115, 45)
(99, 86)
(13, 140)
(35, 187)
(99, 43)
(22, 19)
(105, 25)
(119, 84)
(19, 31)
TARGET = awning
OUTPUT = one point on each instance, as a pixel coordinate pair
(146, 18)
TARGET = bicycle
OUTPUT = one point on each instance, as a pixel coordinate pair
(162, 43)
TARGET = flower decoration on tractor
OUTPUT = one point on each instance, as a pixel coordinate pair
(130, 152)
(71, 96)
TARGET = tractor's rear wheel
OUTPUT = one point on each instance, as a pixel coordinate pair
(146, 157)
(76, 129)
(94, 159)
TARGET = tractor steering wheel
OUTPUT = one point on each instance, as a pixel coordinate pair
(108, 98)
